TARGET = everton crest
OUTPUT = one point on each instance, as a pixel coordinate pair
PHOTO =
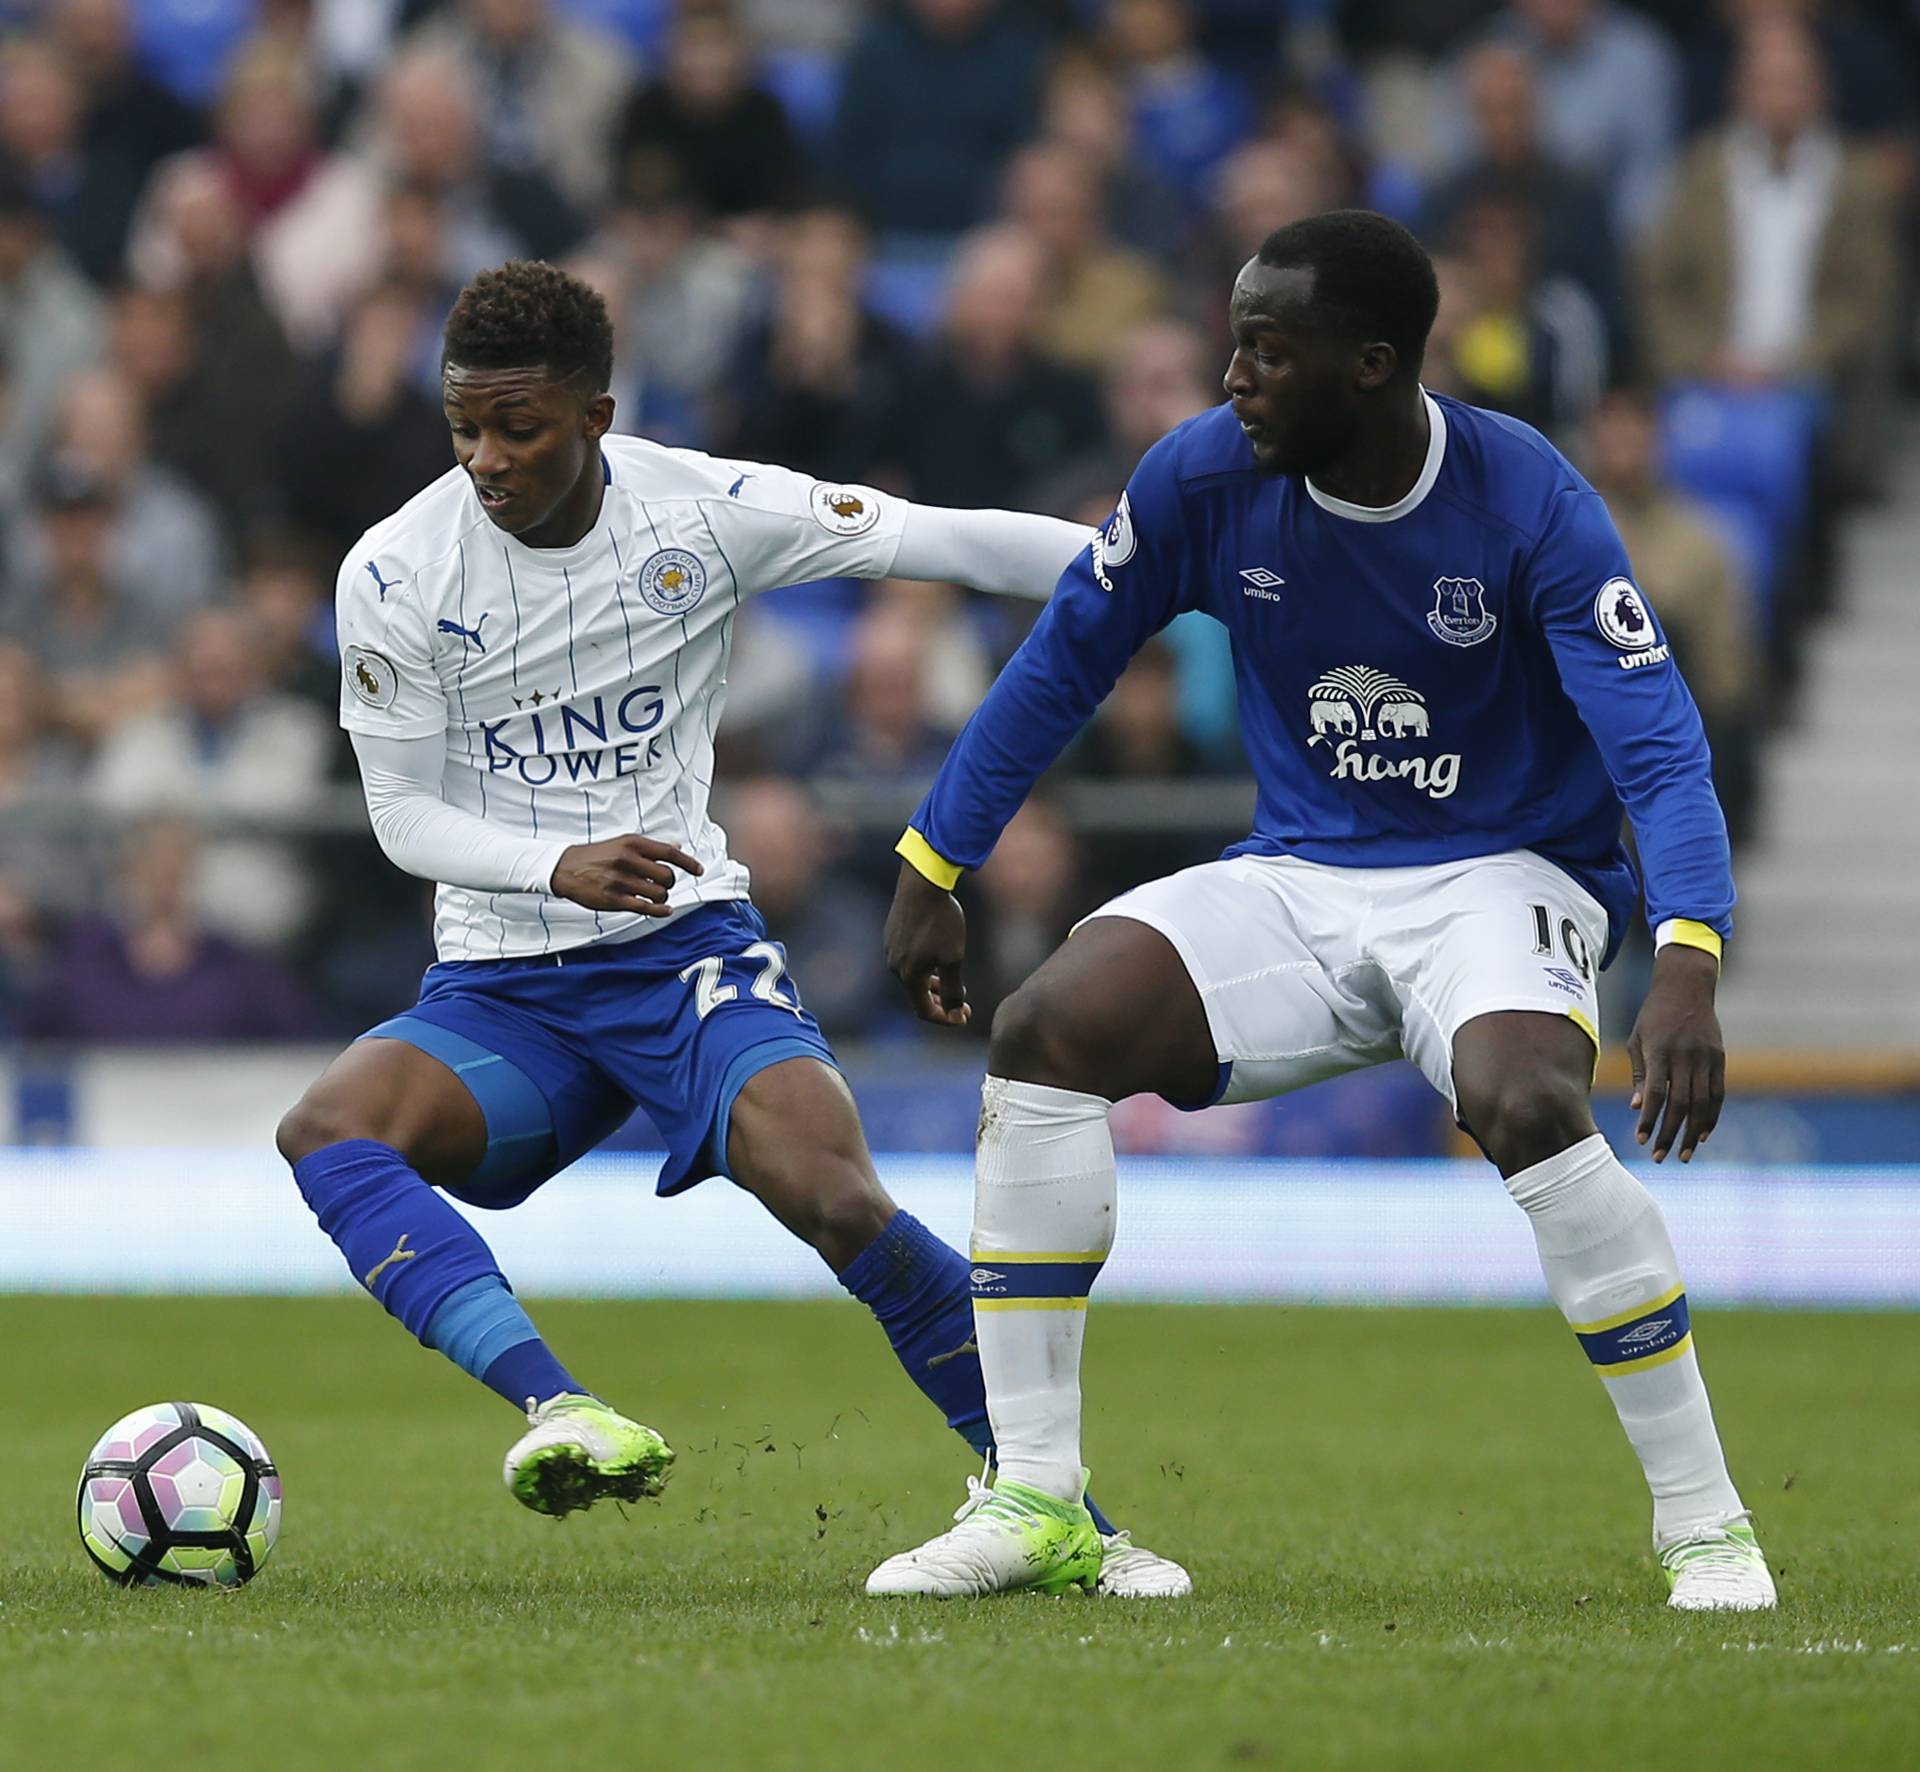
(1459, 615)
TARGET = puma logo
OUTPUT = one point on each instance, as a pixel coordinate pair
(969, 1346)
(382, 585)
(472, 633)
(733, 491)
(400, 1253)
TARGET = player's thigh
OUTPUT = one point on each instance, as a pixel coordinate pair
(540, 1104)
(1241, 980)
(1076, 1023)
(794, 1141)
(394, 1094)
(1497, 935)
(712, 1008)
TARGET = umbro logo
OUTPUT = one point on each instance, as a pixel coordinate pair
(1257, 581)
(1643, 1332)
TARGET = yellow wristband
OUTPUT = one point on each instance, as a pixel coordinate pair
(1685, 932)
(927, 861)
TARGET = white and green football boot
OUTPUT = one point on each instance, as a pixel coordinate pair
(577, 1451)
(1718, 1569)
(1007, 1538)
(1130, 1571)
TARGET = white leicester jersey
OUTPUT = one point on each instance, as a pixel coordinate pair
(579, 688)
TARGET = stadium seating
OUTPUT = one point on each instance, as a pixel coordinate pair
(807, 84)
(1746, 453)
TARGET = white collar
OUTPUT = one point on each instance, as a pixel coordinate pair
(1812, 157)
(1429, 472)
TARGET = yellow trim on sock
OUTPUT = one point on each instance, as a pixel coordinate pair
(1627, 1316)
(1685, 932)
(1652, 1360)
(1584, 1022)
(927, 861)
(1029, 1304)
(1013, 1257)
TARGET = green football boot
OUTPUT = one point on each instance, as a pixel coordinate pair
(577, 1451)
(1718, 1569)
(1005, 1539)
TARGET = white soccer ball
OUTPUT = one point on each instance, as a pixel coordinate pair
(179, 1493)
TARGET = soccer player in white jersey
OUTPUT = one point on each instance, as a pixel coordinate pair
(534, 655)
(1451, 690)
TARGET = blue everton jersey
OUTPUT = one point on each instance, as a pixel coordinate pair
(1472, 670)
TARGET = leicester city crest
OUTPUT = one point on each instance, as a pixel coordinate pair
(1459, 615)
(672, 581)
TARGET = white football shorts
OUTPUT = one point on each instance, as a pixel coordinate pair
(1308, 970)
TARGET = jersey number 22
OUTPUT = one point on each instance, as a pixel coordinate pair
(709, 992)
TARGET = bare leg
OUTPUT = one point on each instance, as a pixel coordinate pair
(397, 1095)
(1111, 1012)
(795, 1143)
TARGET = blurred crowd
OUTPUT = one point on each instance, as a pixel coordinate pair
(974, 250)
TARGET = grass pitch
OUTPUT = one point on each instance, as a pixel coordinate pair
(1418, 1538)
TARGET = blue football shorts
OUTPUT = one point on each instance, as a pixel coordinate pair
(558, 1049)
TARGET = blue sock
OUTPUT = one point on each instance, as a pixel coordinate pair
(918, 1291)
(482, 1330)
(427, 1265)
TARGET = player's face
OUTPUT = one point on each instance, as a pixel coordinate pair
(1291, 383)
(531, 446)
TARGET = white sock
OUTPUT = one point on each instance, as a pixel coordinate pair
(1611, 1269)
(1043, 1200)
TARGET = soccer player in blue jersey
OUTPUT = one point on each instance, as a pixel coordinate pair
(1451, 687)
(533, 664)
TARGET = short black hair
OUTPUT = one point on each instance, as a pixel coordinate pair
(1371, 275)
(530, 315)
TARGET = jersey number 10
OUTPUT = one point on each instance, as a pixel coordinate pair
(1571, 939)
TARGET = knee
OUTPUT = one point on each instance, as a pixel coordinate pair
(306, 1127)
(1034, 1040)
(840, 1211)
(1528, 1116)
(323, 1117)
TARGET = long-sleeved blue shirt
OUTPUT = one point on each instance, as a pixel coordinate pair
(1469, 671)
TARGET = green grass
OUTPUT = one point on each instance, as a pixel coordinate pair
(1418, 1538)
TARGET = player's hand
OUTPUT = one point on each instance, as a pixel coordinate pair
(1679, 1060)
(927, 946)
(630, 873)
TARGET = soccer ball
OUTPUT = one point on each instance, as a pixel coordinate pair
(179, 1493)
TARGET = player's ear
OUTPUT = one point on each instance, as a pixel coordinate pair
(1377, 363)
(597, 418)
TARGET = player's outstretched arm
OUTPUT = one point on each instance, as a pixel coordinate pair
(772, 526)
(1005, 553)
